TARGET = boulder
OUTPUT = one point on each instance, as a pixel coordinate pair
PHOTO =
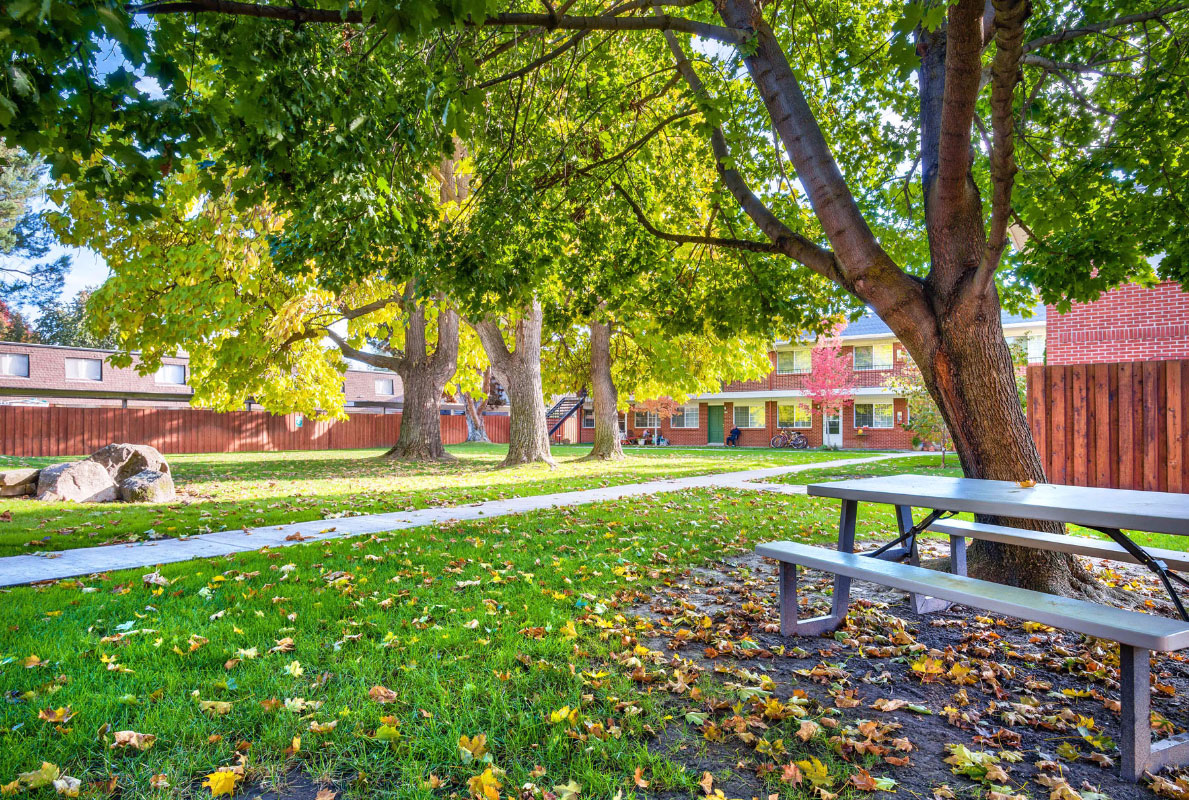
(122, 461)
(19, 477)
(147, 486)
(18, 482)
(80, 481)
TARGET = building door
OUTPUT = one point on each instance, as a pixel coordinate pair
(714, 417)
(832, 429)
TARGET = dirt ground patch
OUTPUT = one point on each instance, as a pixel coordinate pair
(1042, 703)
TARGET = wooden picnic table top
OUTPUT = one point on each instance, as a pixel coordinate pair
(1155, 512)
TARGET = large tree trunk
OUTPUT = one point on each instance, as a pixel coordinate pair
(424, 376)
(607, 444)
(950, 322)
(519, 370)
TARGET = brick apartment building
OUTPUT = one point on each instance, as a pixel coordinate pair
(761, 408)
(1130, 323)
(73, 376)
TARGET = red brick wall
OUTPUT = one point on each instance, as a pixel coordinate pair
(864, 378)
(895, 438)
(1129, 323)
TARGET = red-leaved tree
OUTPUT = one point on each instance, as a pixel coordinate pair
(831, 381)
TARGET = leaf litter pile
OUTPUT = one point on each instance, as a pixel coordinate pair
(624, 650)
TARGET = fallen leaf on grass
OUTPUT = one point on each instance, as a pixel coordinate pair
(382, 694)
(60, 715)
(137, 741)
(485, 786)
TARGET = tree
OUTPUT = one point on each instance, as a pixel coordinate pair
(830, 384)
(205, 282)
(28, 274)
(924, 417)
(14, 327)
(72, 324)
(1099, 177)
(518, 369)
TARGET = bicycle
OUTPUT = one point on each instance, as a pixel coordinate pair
(794, 439)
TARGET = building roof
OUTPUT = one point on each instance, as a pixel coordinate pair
(871, 325)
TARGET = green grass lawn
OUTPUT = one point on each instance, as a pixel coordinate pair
(511, 628)
(230, 491)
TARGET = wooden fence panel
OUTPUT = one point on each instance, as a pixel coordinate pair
(62, 431)
(1119, 425)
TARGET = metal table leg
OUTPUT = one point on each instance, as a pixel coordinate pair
(839, 604)
(1141, 555)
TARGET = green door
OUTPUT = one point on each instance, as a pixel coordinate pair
(714, 425)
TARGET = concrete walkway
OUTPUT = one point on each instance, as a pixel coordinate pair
(23, 569)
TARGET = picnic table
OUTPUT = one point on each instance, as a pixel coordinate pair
(1109, 511)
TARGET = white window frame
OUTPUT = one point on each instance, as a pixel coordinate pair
(651, 420)
(622, 420)
(588, 417)
(801, 362)
(891, 418)
(160, 376)
(875, 364)
(685, 418)
(8, 362)
(79, 375)
(808, 421)
(391, 387)
(755, 413)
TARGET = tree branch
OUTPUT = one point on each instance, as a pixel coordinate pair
(713, 241)
(1099, 27)
(963, 69)
(297, 14)
(792, 244)
(1010, 16)
(374, 359)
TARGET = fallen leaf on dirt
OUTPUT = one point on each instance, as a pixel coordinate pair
(222, 782)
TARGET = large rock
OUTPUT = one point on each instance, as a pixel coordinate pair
(122, 461)
(80, 481)
(147, 486)
(18, 482)
(19, 477)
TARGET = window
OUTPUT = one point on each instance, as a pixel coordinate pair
(14, 365)
(384, 387)
(84, 369)
(794, 415)
(873, 356)
(647, 419)
(173, 374)
(873, 415)
(792, 362)
(588, 418)
(686, 417)
(623, 422)
(749, 416)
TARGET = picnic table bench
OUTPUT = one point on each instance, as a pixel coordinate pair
(1110, 511)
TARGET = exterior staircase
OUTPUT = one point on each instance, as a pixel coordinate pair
(563, 409)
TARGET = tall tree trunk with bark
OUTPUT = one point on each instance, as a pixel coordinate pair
(950, 321)
(423, 376)
(519, 371)
(607, 444)
(476, 429)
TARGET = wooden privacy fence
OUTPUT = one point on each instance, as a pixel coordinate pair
(63, 431)
(1112, 425)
